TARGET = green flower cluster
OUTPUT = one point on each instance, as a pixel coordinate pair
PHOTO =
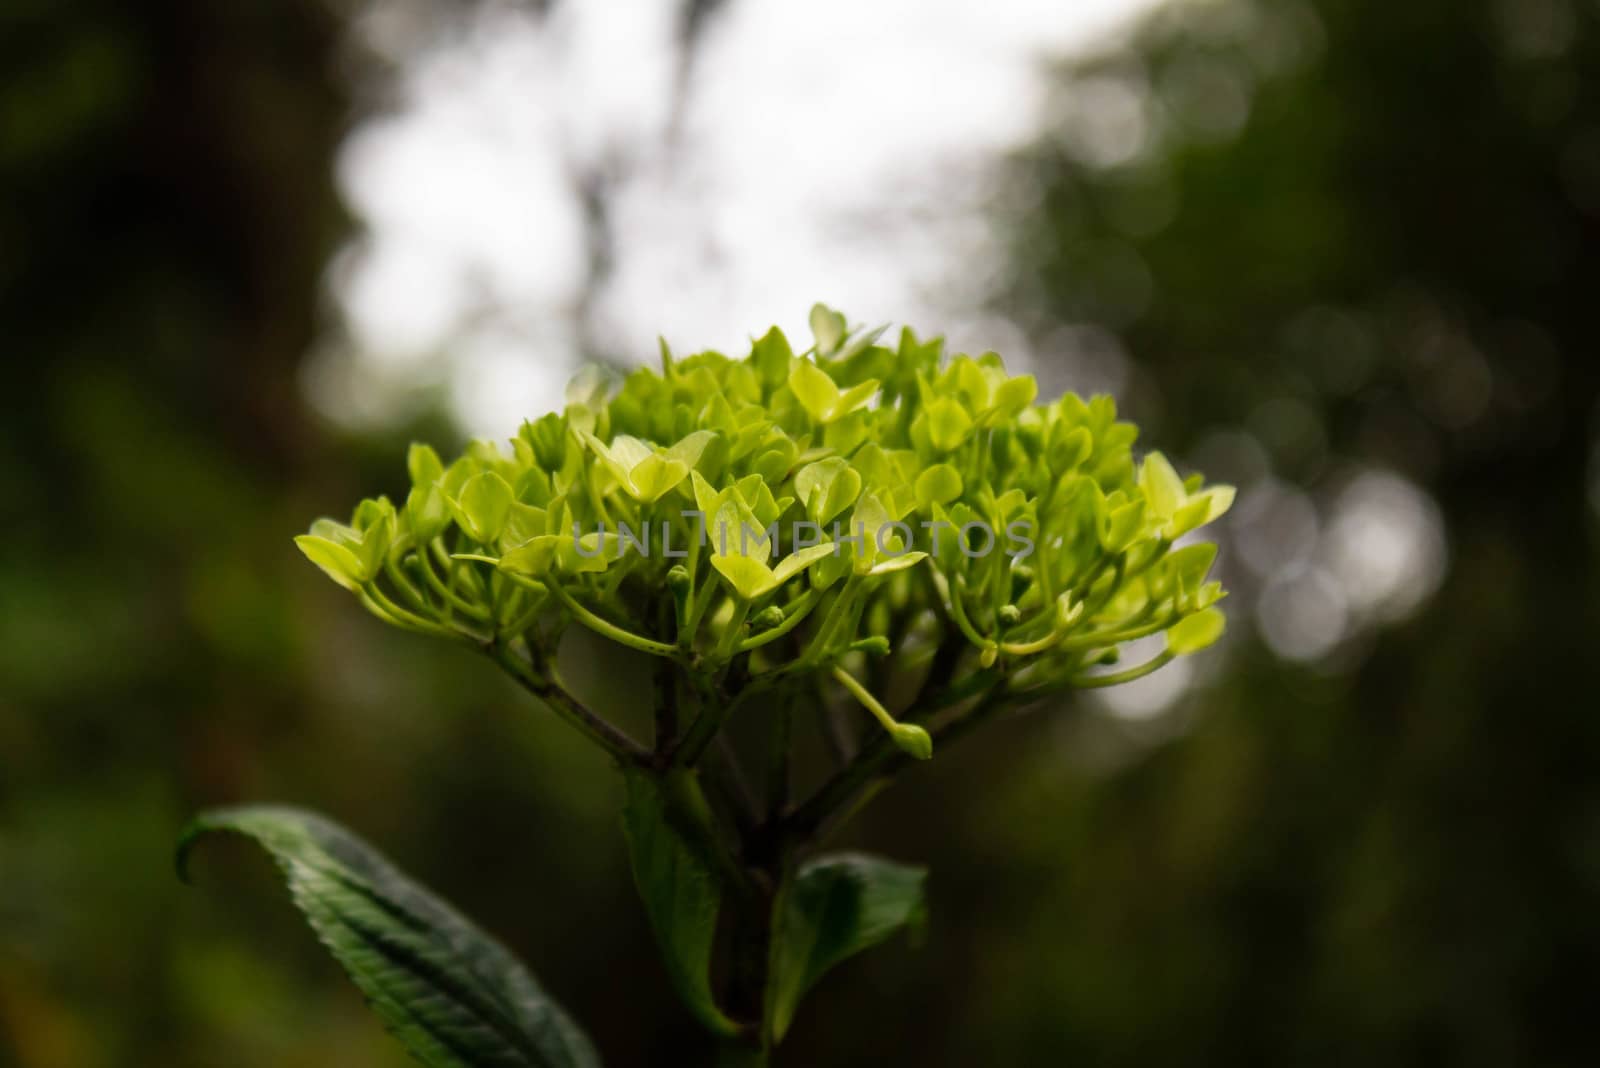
(763, 521)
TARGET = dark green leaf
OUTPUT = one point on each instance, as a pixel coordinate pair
(681, 888)
(453, 996)
(836, 907)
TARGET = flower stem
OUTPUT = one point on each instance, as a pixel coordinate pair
(862, 694)
(609, 629)
(797, 612)
(549, 690)
(1093, 682)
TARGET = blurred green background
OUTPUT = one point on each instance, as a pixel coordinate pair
(1345, 253)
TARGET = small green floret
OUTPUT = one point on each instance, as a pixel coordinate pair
(764, 518)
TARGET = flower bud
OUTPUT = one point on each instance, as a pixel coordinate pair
(678, 581)
(912, 740)
(769, 617)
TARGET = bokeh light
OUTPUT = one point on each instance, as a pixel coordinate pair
(551, 182)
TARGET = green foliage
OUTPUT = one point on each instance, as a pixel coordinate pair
(836, 907)
(1414, 810)
(817, 479)
(1196, 632)
(677, 880)
(764, 527)
(453, 996)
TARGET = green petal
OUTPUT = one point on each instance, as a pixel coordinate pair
(1163, 489)
(336, 561)
(828, 327)
(423, 464)
(939, 484)
(814, 390)
(1196, 632)
(1122, 526)
(749, 576)
(795, 563)
(483, 506)
(948, 424)
(654, 477)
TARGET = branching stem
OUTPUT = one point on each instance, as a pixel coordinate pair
(548, 689)
(611, 630)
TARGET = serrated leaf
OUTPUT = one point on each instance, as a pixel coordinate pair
(681, 889)
(452, 995)
(836, 907)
